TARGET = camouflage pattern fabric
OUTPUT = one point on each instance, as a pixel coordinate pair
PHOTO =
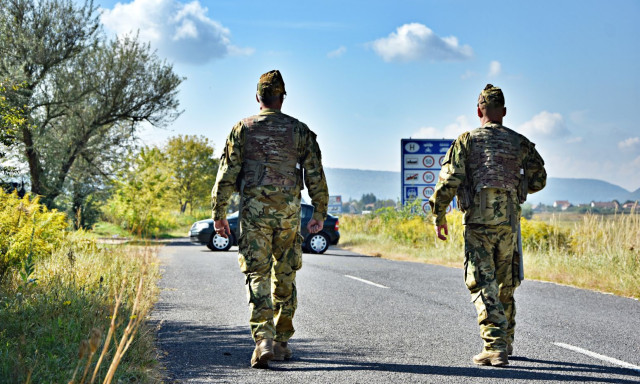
(491, 96)
(491, 275)
(271, 84)
(498, 202)
(270, 241)
(309, 156)
(270, 254)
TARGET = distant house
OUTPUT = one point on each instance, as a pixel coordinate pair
(562, 204)
(630, 205)
(605, 204)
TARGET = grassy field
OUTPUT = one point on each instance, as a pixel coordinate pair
(590, 251)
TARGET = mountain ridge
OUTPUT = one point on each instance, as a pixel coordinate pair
(352, 183)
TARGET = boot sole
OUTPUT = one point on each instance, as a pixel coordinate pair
(493, 363)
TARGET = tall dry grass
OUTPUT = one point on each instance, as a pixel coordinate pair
(597, 252)
(59, 308)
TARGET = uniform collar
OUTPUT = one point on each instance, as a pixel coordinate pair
(269, 111)
(491, 124)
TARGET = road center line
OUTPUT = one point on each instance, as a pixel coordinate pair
(599, 356)
(366, 281)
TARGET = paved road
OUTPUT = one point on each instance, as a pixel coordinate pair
(415, 325)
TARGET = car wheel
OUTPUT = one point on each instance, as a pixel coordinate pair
(317, 243)
(219, 243)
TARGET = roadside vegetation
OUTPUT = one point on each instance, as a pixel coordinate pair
(595, 252)
(71, 310)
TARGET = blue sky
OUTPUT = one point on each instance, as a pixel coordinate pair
(365, 74)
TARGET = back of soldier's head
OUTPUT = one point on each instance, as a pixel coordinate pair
(271, 87)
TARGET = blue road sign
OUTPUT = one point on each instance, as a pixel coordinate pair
(421, 163)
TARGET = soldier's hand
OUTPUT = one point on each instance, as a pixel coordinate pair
(314, 226)
(439, 229)
(222, 227)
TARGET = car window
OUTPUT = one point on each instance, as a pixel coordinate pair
(307, 212)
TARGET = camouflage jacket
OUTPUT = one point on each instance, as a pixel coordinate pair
(310, 160)
(498, 203)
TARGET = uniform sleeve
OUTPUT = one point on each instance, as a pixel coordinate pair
(314, 177)
(228, 171)
(451, 177)
(535, 172)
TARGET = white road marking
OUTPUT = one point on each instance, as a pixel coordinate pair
(366, 281)
(599, 356)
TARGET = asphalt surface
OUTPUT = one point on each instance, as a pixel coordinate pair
(416, 325)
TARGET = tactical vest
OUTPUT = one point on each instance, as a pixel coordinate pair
(495, 159)
(270, 152)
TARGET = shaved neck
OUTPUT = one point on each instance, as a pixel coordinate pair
(491, 115)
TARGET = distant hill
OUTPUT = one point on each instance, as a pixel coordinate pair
(353, 183)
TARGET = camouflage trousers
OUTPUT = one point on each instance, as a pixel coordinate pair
(491, 275)
(269, 257)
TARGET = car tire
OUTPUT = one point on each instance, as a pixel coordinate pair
(317, 243)
(218, 243)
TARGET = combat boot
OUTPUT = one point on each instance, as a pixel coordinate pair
(262, 354)
(281, 351)
(494, 358)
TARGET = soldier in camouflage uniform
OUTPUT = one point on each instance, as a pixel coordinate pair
(491, 169)
(264, 159)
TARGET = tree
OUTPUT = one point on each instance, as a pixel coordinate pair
(85, 96)
(140, 200)
(368, 198)
(11, 119)
(190, 158)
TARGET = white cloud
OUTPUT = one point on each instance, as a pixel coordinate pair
(337, 53)
(495, 68)
(417, 42)
(574, 140)
(180, 31)
(630, 143)
(451, 131)
(545, 125)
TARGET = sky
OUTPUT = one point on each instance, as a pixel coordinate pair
(365, 74)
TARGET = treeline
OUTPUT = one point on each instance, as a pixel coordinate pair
(367, 203)
(72, 101)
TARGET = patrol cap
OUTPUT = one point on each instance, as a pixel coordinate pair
(491, 96)
(271, 84)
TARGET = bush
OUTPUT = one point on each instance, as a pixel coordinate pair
(29, 232)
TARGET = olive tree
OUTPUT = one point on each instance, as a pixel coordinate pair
(84, 95)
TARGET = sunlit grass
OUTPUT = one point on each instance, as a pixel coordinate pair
(593, 252)
(43, 323)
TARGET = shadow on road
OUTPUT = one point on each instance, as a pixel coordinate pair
(194, 352)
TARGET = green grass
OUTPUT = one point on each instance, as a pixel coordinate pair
(43, 323)
(106, 229)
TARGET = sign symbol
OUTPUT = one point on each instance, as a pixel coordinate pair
(428, 161)
(427, 192)
(412, 177)
(428, 177)
(441, 160)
